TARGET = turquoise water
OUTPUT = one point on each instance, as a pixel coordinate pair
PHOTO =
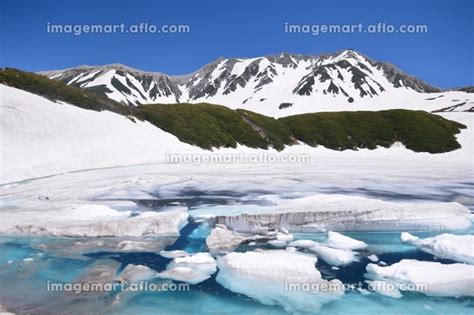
(26, 281)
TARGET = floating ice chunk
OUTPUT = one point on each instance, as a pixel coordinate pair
(285, 237)
(384, 288)
(222, 240)
(455, 247)
(430, 278)
(173, 253)
(332, 256)
(201, 261)
(373, 258)
(363, 291)
(92, 220)
(136, 273)
(337, 240)
(278, 277)
(141, 245)
(28, 259)
(192, 268)
(407, 237)
(277, 243)
(184, 274)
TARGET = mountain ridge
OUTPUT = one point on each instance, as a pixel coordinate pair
(277, 85)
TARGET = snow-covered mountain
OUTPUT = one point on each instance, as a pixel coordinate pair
(277, 85)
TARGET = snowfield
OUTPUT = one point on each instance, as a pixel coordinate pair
(41, 138)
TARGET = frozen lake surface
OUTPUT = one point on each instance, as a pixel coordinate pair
(50, 234)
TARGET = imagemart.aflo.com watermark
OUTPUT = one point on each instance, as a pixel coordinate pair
(236, 158)
(116, 286)
(119, 28)
(358, 28)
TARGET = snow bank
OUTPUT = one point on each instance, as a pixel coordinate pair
(40, 138)
(337, 240)
(455, 247)
(332, 256)
(92, 220)
(430, 278)
(268, 276)
(334, 212)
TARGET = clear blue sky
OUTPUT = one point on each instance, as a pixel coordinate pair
(248, 28)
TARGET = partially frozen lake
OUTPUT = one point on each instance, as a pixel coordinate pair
(63, 228)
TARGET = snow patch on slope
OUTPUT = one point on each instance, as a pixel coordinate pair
(40, 138)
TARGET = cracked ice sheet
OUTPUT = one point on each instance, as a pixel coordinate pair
(91, 220)
(339, 212)
(115, 187)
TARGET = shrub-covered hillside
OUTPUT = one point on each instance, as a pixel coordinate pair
(59, 91)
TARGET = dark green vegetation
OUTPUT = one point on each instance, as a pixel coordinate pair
(59, 91)
(209, 126)
(274, 131)
(204, 125)
(417, 130)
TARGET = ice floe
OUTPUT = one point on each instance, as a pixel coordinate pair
(430, 278)
(337, 240)
(193, 269)
(222, 240)
(332, 256)
(136, 273)
(277, 243)
(384, 288)
(173, 253)
(455, 247)
(278, 277)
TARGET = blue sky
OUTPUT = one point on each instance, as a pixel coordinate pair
(443, 57)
